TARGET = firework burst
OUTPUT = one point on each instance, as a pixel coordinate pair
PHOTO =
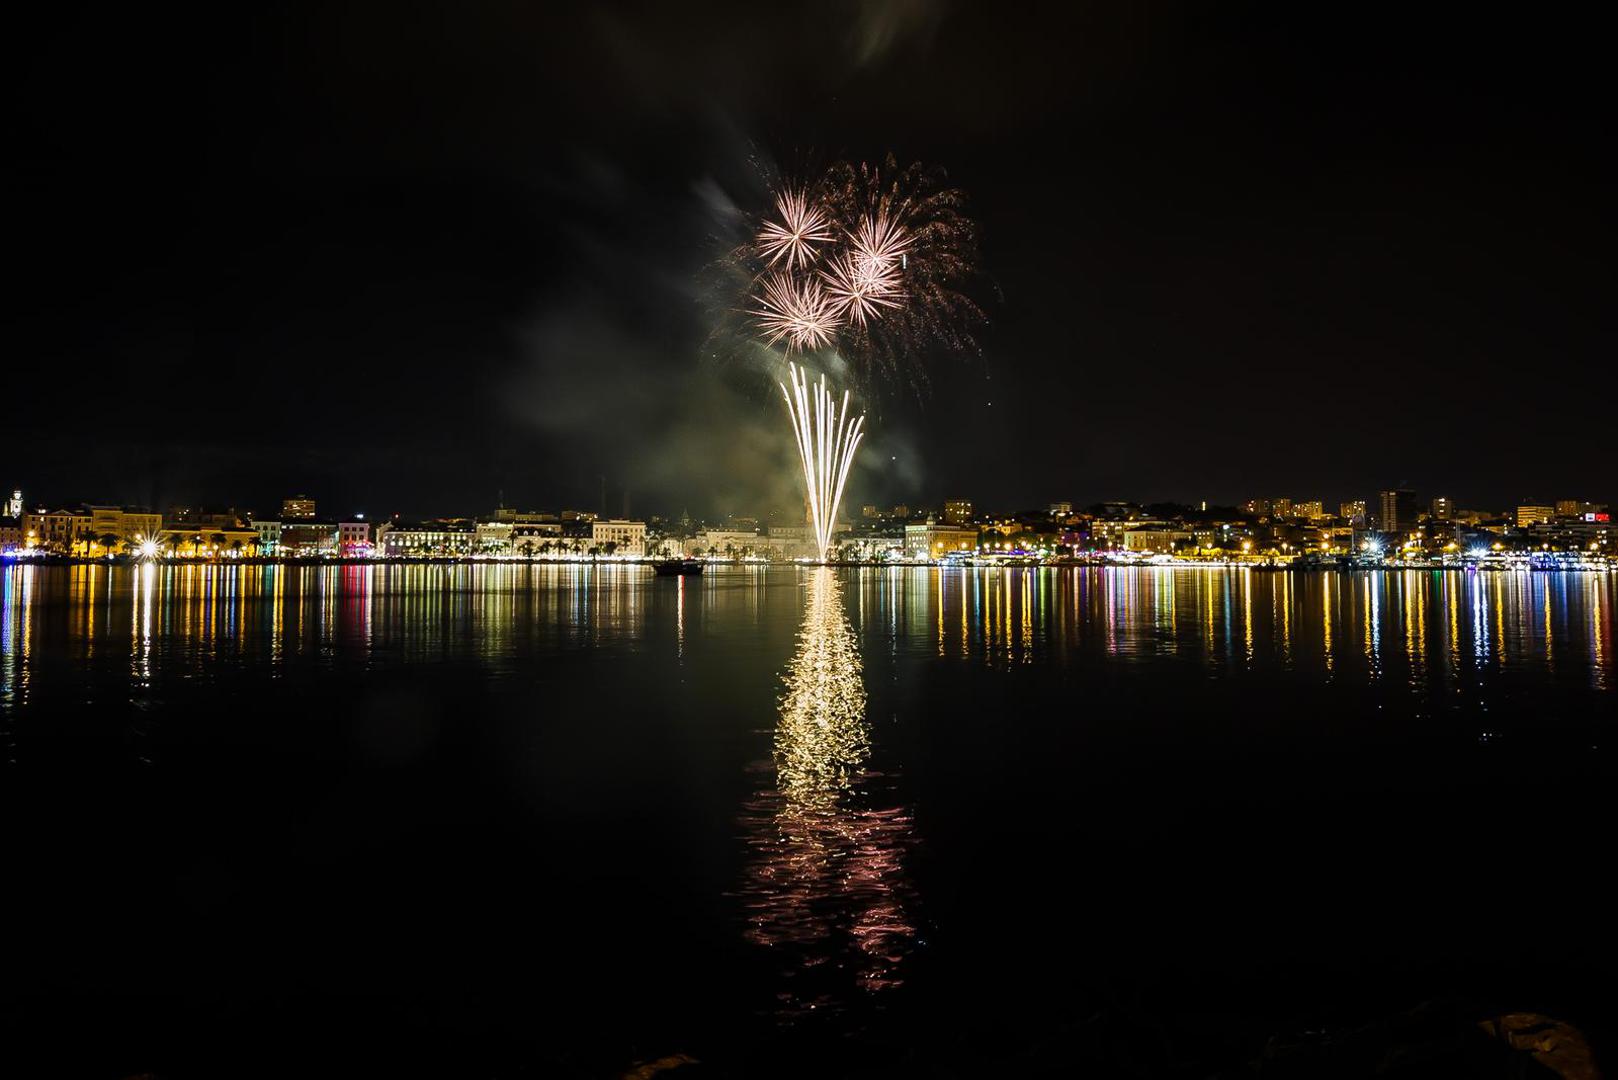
(795, 311)
(795, 237)
(859, 288)
(872, 260)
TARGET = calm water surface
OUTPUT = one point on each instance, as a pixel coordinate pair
(558, 818)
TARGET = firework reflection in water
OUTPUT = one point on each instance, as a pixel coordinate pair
(825, 882)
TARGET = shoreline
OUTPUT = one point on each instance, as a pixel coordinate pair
(1519, 566)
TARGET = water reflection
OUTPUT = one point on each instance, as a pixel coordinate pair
(825, 880)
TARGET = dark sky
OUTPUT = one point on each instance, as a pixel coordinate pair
(406, 257)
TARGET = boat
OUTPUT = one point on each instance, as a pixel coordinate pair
(669, 567)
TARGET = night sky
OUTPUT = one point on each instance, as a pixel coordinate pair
(405, 258)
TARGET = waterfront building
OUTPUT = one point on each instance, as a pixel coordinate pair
(1353, 512)
(299, 507)
(931, 540)
(494, 538)
(730, 543)
(1443, 508)
(627, 537)
(308, 538)
(205, 541)
(112, 526)
(1573, 534)
(530, 538)
(269, 536)
(1158, 540)
(13, 508)
(11, 534)
(437, 539)
(957, 511)
(55, 530)
(354, 537)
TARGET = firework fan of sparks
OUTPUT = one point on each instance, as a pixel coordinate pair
(872, 260)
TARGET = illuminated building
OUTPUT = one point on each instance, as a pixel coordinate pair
(1154, 540)
(731, 543)
(627, 537)
(1530, 514)
(427, 539)
(1060, 509)
(299, 507)
(13, 508)
(11, 534)
(1398, 510)
(1578, 508)
(1281, 508)
(353, 537)
(494, 538)
(957, 511)
(205, 541)
(1443, 509)
(306, 538)
(55, 530)
(1353, 512)
(269, 536)
(930, 540)
(1311, 510)
(526, 517)
(531, 537)
(123, 524)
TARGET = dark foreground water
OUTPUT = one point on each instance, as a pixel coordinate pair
(499, 821)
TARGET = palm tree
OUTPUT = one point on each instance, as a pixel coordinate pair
(528, 549)
(108, 540)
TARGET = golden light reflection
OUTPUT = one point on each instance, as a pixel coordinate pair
(1327, 596)
(825, 882)
(1600, 636)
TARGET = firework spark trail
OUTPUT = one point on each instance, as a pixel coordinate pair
(826, 445)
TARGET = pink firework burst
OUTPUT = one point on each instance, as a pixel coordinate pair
(860, 287)
(797, 312)
(793, 238)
